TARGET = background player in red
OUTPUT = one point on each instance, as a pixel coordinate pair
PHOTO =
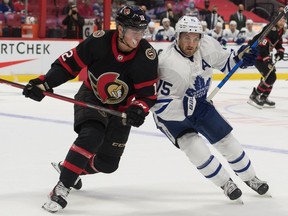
(264, 64)
(121, 75)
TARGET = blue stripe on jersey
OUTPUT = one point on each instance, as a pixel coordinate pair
(167, 101)
(227, 65)
(238, 159)
(244, 169)
(216, 172)
(206, 163)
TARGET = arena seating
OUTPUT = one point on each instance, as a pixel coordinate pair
(226, 8)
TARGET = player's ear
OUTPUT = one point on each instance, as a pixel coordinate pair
(120, 31)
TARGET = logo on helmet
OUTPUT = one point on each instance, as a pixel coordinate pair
(127, 11)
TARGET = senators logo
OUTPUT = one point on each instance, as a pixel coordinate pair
(108, 88)
(150, 53)
(98, 34)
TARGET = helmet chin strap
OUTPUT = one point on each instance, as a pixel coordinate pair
(122, 39)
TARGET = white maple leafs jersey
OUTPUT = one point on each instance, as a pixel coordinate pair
(179, 74)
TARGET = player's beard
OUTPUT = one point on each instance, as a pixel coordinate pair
(188, 51)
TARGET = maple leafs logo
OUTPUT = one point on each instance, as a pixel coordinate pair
(200, 88)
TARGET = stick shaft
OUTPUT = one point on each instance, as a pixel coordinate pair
(70, 100)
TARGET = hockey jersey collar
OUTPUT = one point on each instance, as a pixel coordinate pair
(121, 57)
(191, 58)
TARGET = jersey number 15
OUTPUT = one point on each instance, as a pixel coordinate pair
(164, 87)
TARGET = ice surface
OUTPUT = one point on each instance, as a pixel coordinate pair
(154, 177)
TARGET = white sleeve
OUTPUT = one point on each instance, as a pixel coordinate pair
(171, 89)
(214, 53)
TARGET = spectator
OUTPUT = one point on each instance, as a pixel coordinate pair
(165, 32)
(231, 33)
(85, 9)
(250, 32)
(144, 8)
(160, 9)
(170, 15)
(67, 7)
(19, 6)
(98, 12)
(74, 22)
(204, 12)
(150, 32)
(213, 18)
(192, 10)
(241, 37)
(239, 17)
(204, 25)
(217, 33)
(6, 7)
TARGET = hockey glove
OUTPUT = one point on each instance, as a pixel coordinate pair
(34, 89)
(247, 54)
(135, 116)
(279, 55)
(240, 41)
(269, 62)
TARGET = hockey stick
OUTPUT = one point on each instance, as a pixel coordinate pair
(255, 44)
(271, 69)
(67, 99)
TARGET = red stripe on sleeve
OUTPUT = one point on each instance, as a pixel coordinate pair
(152, 97)
(141, 104)
(66, 66)
(77, 59)
(72, 167)
(145, 84)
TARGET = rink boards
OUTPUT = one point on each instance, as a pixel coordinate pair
(22, 60)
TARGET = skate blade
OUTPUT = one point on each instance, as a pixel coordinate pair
(56, 167)
(238, 201)
(267, 195)
(252, 103)
(268, 107)
(51, 206)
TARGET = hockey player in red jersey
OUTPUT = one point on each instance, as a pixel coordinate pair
(264, 64)
(121, 75)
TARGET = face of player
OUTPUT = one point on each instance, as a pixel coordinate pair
(131, 37)
(188, 43)
(281, 23)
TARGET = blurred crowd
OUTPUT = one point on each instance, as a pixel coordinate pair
(163, 15)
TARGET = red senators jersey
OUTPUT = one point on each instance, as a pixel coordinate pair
(117, 79)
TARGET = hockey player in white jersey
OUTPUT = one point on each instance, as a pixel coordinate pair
(184, 115)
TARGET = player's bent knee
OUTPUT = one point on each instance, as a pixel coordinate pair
(229, 147)
(194, 147)
(105, 163)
